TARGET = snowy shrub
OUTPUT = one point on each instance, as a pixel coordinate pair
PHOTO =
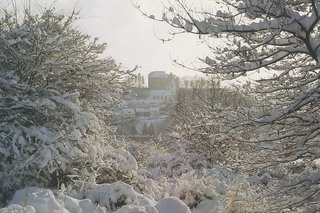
(176, 164)
(119, 164)
(186, 177)
(212, 185)
(110, 196)
(113, 196)
(191, 189)
(205, 115)
(50, 73)
(241, 197)
(117, 197)
(212, 188)
(136, 148)
(40, 153)
(105, 198)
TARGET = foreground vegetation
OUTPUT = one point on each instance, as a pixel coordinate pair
(234, 150)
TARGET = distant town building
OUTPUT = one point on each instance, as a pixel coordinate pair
(159, 80)
(162, 86)
(144, 106)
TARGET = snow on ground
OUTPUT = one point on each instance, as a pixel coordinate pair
(172, 205)
(120, 197)
(104, 198)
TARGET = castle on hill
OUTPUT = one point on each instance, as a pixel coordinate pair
(145, 107)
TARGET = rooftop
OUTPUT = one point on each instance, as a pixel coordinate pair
(157, 74)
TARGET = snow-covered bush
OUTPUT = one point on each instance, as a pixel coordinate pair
(116, 197)
(185, 176)
(137, 148)
(205, 115)
(44, 136)
(50, 72)
(118, 164)
(176, 164)
(104, 198)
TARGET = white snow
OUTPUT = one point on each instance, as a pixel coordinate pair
(14, 208)
(40, 199)
(162, 195)
(136, 209)
(172, 205)
(118, 197)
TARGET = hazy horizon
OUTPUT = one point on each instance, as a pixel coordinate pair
(132, 38)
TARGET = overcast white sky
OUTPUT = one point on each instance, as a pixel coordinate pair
(131, 36)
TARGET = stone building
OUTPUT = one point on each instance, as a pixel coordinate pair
(145, 107)
(159, 80)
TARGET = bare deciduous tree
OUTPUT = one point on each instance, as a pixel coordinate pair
(278, 37)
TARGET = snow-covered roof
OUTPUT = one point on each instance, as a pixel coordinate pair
(157, 74)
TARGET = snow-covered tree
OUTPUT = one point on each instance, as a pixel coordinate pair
(49, 73)
(280, 40)
(203, 113)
